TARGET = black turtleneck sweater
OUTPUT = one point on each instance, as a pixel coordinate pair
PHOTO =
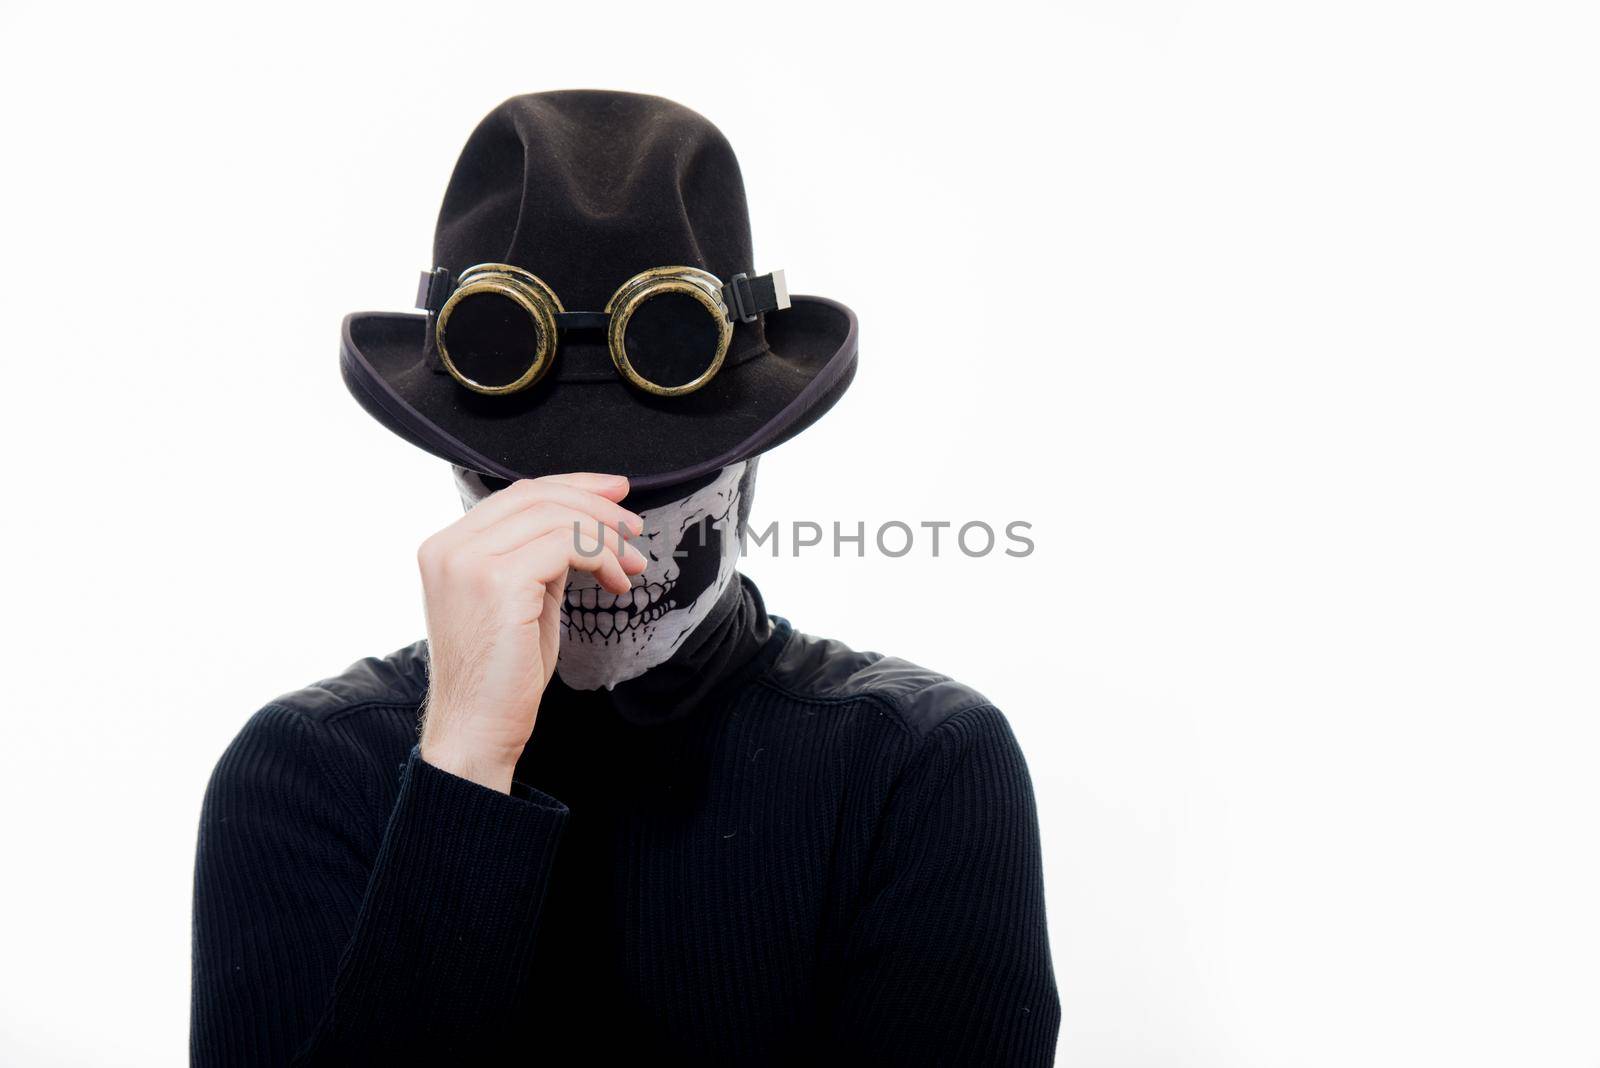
(770, 850)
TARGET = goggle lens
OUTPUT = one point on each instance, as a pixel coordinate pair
(492, 339)
(671, 340)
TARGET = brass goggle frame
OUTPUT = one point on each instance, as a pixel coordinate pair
(548, 317)
(522, 288)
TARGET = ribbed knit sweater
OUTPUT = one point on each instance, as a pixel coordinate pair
(832, 857)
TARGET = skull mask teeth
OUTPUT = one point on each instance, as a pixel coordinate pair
(593, 614)
(691, 546)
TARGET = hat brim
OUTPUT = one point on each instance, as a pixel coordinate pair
(606, 426)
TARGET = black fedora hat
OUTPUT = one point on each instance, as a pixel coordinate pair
(586, 189)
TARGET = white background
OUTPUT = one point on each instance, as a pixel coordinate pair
(1277, 320)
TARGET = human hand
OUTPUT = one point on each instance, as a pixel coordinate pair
(493, 582)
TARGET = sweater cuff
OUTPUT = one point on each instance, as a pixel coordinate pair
(447, 928)
(463, 795)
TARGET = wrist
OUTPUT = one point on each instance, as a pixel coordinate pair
(492, 772)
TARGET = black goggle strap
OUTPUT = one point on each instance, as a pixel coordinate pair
(433, 289)
(748, 297)
(745, 297)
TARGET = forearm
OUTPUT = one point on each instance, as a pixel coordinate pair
(441, 947)
(948, 960)
(432, 959)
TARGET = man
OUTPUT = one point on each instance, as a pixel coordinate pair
(610, 810)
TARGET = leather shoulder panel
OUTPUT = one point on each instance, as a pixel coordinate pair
(401, 678)
(821, 669)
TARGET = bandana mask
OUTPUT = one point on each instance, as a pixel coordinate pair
(691, 544)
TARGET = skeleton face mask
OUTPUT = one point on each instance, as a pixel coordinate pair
(692, 545)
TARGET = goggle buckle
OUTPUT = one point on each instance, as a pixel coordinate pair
(745, 305)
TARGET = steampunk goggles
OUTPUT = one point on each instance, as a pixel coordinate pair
(495, 329)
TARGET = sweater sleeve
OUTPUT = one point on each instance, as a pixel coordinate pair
(947, 960)
(312, 947)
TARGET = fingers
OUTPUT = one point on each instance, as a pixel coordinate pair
(585, 511)
(544, 561)
(573, 489)
(614, 487)
(548, 524)
(556, 552)
(580, 528)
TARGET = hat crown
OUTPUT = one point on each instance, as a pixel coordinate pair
(586, 188)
